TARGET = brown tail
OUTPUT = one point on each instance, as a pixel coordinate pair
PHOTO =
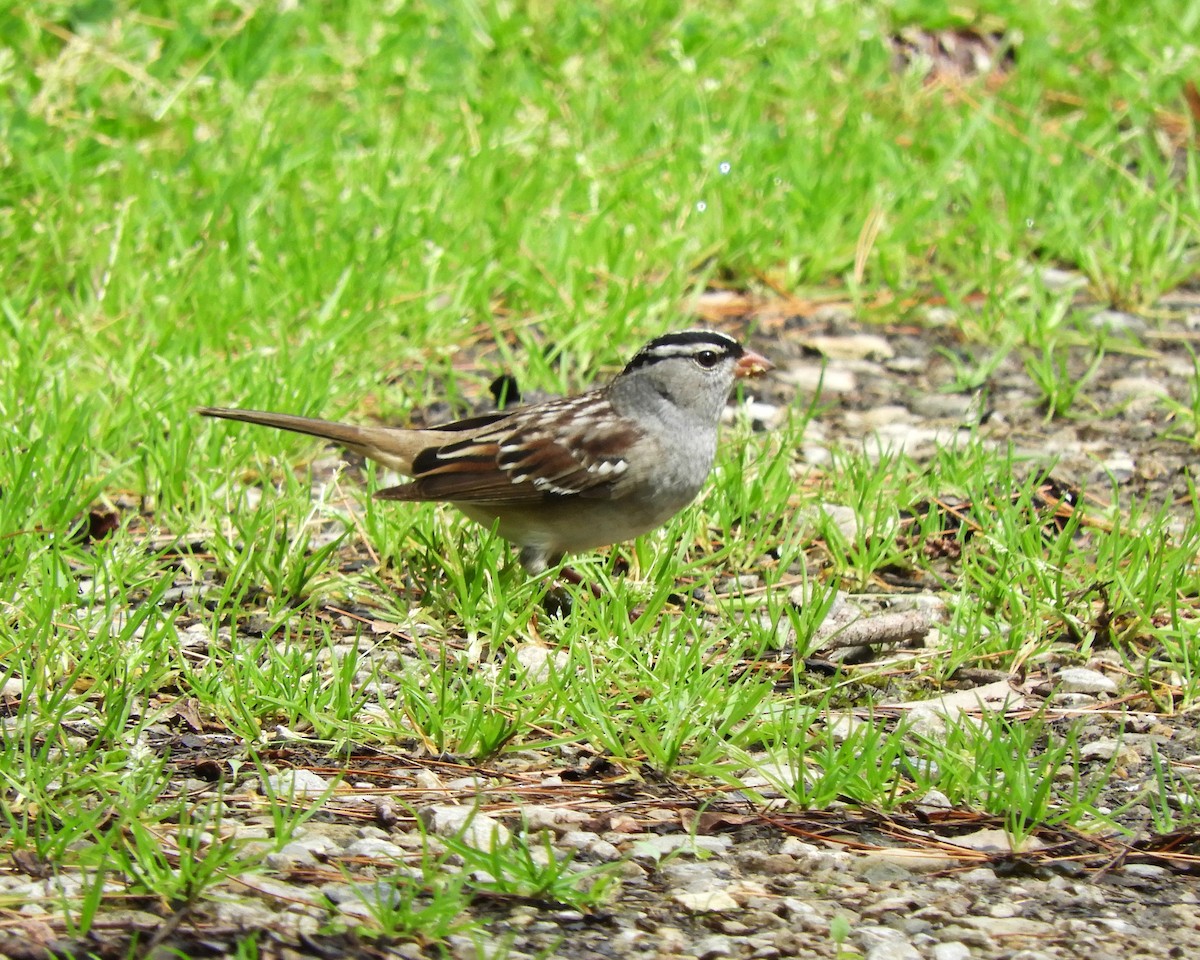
(394, 448)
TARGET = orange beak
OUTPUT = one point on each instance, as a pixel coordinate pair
(752, 364)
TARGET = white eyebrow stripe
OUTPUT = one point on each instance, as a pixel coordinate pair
(686, 349)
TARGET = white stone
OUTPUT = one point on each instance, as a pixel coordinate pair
(934, 801)
(296, 783)
(375, 849)
(541, 662)
(539, 816)
(710, 901)
(1055, 278)
(1083, 680)
(810, 377)
(857, 346)
(991, 841)
(842, 726)
(844, 519)
(1108, 748)
(284, 861)
(1138, 388)
(1120, 467)
(770, 415)
(885, 943)
(428, 780)
(474, 828)
(714, 946)
(657, 847)
(314, 846)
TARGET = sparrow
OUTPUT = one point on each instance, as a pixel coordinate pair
(572, 474)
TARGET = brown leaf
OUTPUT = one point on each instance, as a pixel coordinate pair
(30, 864)
(710, 821)
(1192, 96)
(187, 710)
(97, 525)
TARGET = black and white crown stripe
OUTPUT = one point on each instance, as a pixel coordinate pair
(687, 343)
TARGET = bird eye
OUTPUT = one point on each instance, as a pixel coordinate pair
(708, 358)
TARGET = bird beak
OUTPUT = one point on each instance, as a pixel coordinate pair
(752, 364)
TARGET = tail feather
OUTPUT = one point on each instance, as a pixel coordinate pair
(392, 447)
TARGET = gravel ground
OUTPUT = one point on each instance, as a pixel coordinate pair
(705, 874)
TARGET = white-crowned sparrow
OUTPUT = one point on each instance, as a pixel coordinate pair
(570, 474)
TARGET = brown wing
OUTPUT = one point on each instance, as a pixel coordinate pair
(570, 447)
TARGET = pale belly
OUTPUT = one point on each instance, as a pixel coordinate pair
(576, 525)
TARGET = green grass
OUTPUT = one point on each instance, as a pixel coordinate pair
(355, 211)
